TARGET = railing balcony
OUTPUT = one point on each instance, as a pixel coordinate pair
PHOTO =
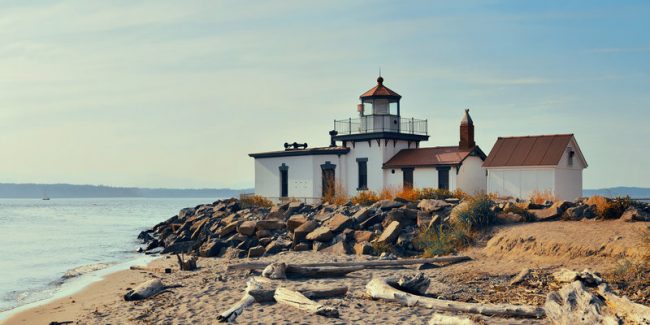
(381, 123)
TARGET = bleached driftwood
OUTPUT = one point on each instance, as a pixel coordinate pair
(379, 289)
(623, 307)
(282, 271)
(298, 300)
(186, 264)
(366, 264)
(572, 304)
(440, 319)
(151, 269)
(266, 295)
(147, 289)
(416, 284)
(247, 300)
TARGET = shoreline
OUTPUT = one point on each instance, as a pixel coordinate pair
(73, 287)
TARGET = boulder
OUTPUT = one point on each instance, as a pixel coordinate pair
(263, 233)
(229, 228)
(321, 234)
(423, 219)
(634, 214)
(256, 251)
(406, 217)
(510, 218)
(296, 221)
(371, 221)
(270, 224)
(293, 208)
(363, 236)
(390, 233)
(230, 218)
(580, 212)
(276, 246)
(301, 247)
(247, 228)
(551, 213)
(300, 233)
(387, 205)
(340, 222)
(232, 253)
(432, 205)
(180, 247)
(211, 248)
(340, 248)
(361, 215)
(184, 213)
(364, 248)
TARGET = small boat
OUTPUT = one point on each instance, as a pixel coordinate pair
(45, 197)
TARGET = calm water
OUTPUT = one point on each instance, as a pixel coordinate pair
(46, 244)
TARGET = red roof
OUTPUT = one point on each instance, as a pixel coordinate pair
(436, 156)
(539, 150)
(380, 91)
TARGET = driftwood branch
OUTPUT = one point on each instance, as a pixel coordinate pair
(636, 313)
(282, 271)
(379, 289)
(151, 269)
(298, 300)
(266, 295)
(236, 309)
(186, 264)
(148, 289)
(366, 264)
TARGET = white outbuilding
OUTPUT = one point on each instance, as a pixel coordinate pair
(520, 166)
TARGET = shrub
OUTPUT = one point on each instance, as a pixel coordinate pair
(337, 196)
(408, 194)
(434, 193)
(383, 248)
(365, 198)
(475, 212)
(609, 208)
(249, 201)
(443, 240)
(539, 197)
(388, 193)
(459, 194)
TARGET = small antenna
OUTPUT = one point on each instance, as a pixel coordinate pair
(380, 71)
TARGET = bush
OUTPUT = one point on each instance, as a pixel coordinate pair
(443, 240)
(408, 194)
(365, 198)
(539, 197)
(609, 208)
(475, 212)
(250, 201)
(434, 193)
(383, 248)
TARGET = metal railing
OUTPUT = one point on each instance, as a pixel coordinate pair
(381, 123)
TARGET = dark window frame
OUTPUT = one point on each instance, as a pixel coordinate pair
(284, 180)
(407, 178)
(443, 177)
(362, 168)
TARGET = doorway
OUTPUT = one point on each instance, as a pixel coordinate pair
(407, 178)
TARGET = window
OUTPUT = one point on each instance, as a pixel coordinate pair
(443, 177)
(363, 173)
(571, 154)
(284, 180)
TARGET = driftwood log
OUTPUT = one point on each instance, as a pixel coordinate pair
(186, 264)
(282, 271)
(439, 319)
(366, 264)
(379, 289)
(147, 289)
(151, 269)
(416, 284)
(298, 300)
(266, 295)
(623, 307)
(247, 300)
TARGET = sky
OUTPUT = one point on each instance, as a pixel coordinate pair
(177, 93)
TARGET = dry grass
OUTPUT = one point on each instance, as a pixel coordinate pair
(365, 198)
(388, 193)
(443, 240)
(609, 208)
(408, 194)
(337, 196)
(434, 193)
(250, 201)
(475, 213)
(539, 197)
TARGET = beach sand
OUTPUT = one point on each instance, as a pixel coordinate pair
(207, 292)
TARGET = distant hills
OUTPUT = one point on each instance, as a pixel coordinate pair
(18, 191)
(633, 192)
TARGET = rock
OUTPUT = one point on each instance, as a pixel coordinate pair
(339, 222)
(321, 234)
(340, 248)
(572, 304)
(387, 205)
(387, 257)
(509, 218)
(406, 217)
(301, 247)
(263, 233)
(532, 206)
(275, 215)
(587, 277)
(185, 213)
(265, 241)
(270, 224)
(247, 228)
(296, 221)
(293, 208)
(145, 236)
(230, 218)
(634, 214)
(427, 266)
(435, 222)
(211, 248)
(371, 221)
(361, 215)
(323, 216)
(364, 248)
(275, 271)
(318, 246)
(452, 200)
(363, 236)
(300, 233)
(547, 214)
(229, 228)
(180, 247)
(432, 205)
(276, 246)
(232, 253)
(390, 233)
(523, 275)
(423, 219)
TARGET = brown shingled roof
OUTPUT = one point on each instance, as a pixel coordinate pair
(380, 91)
(436, 156)
(539, 150)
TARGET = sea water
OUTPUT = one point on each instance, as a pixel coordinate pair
(51, 248)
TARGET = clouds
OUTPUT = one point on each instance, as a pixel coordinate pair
(160, 93)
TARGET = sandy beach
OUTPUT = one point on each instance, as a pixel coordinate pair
(211, 290)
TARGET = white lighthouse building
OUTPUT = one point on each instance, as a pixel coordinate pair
(377, 149)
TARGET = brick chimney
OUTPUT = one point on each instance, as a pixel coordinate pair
(466, 132)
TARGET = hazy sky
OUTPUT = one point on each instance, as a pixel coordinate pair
(176, 94)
